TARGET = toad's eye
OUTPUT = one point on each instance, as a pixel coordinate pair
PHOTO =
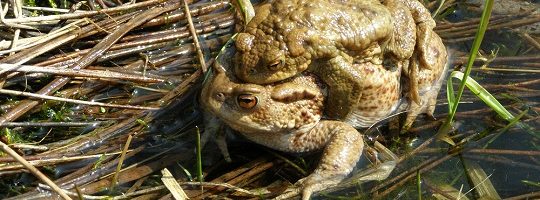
(247, 101)
(276, 65)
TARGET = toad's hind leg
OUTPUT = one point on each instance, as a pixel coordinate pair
(429, 81)
(340, 155)
(424, 25)
(344, 82)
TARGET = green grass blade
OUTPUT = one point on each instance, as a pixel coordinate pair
(484, 95)
(487, 98)
(486, 13)
(531, 183)
(472, 56)
(451, 98)
(247, 9)
(505, 128)
(199, 157)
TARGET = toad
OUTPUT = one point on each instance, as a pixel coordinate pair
(294, 122)
(286, 37)
(288, 115)
(326, 37)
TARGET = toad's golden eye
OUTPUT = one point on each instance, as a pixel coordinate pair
(274, 66)
(247, 101)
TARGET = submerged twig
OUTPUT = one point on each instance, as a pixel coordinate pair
(106, 43)
(409, 174)
(83, 14)
(49, 124)
(531, 40)
(81, 73)
(121, 161)
(34, 170)
(55, 161)
(194, 36)
(91, 103)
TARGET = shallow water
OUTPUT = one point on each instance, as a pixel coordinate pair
(511, 160)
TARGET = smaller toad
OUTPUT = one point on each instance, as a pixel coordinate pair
(288, 116)
(294, 126)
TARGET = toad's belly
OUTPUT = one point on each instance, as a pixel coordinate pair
(381, 95)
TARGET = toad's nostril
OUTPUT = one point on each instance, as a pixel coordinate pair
(220, 96)
(252, 71)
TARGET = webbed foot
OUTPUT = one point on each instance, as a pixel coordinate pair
(313, 183)
(343, 150)
(214, 129)
(427, 105)
(345, 85)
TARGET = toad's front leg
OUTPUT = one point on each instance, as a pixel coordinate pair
(342, 152)
(344, 82)
(214, 130)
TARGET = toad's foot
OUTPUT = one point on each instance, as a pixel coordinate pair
(345, 85)
(427, 106)
(214, 130)
(384, 161)
(424, 30)
(412, 74)
(341, 154)
(426, 60)
(424, 34)
(313, 183)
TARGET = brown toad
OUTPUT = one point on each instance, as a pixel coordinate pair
(326, 36)
(293, 122)
(287, 115)
(287, 37)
